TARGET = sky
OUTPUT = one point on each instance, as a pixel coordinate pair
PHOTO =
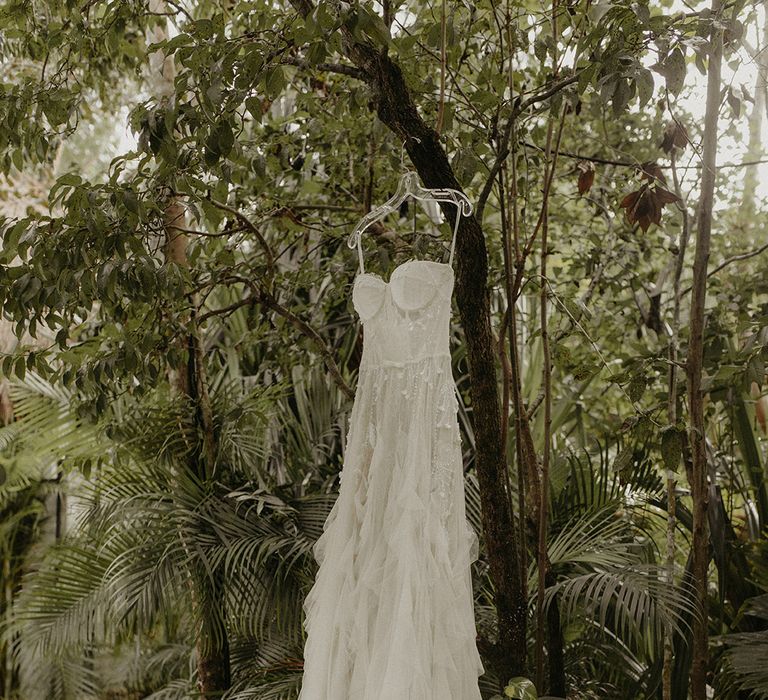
(736, 71)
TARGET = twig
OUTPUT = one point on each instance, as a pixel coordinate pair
(326, 207)
(263, 297)
(243, 219)
(630, 164)
(733, 259)
(339, 68)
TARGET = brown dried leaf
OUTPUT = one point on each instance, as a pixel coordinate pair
(630, 199)
(675, 136)
(645, 206)
(652, 171)
(665, 196)
(586, 176)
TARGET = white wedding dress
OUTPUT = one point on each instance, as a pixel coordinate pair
(390, 615)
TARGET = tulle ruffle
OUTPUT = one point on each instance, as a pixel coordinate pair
(390, 615)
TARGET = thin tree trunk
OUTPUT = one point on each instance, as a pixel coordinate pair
(555, 645)
(7, 654)
(694, 364)
(212, 643)
(521, 421)
(544, 622)
(755, 145)
(672, 400)
(208, 590)
(396, 109)
(546, 377)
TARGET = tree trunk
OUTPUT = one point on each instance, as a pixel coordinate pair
(694, 364)
(672, 417)
(396, 109)
(555, 645)
(208, 589)
(209, 594)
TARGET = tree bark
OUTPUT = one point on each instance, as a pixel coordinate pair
(209, 594)
(672, 415)
(755, 145)
(396, 109)
(208, 590)
(555, 645)
(695, 360)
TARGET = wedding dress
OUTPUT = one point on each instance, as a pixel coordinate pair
(390, 615)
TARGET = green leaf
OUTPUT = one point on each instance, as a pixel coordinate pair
(623, 461)
(673, 69)
(11, 238)
(755, 370)
(274, 82)
(373, 26)
(636, 388)
(130, 201)
(734, 103)
(253, 105)
(32, 288)
(645, 84)
(219, 143)
(20, 368)
(621, 96)
(671, 446)
(70, 179)
(317, 52)
(521, 688)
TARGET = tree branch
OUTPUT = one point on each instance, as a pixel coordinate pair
(263, 297)
(339, 68)
(504, 149)
(243, 219)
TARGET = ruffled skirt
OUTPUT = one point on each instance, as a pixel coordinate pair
(390, 615)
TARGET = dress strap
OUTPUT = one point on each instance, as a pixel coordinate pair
(455, 229)
(360, 252)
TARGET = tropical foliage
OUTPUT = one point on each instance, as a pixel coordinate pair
(179, 351)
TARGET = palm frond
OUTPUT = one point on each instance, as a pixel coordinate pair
(274, 686)
(65, 601)
(47, 430)
(63, 677)
(598, 537)
(179, 689)
(746, 652)
(634, 601)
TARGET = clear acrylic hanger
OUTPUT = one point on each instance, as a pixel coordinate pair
(409, 186)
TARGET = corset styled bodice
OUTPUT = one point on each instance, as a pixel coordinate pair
(408, 318)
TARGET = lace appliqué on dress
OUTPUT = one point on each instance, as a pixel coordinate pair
(446, 452)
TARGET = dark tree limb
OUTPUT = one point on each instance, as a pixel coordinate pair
(339, 68)
(397, 110)
(250, 226)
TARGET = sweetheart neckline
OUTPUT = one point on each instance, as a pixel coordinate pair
(388, 282)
